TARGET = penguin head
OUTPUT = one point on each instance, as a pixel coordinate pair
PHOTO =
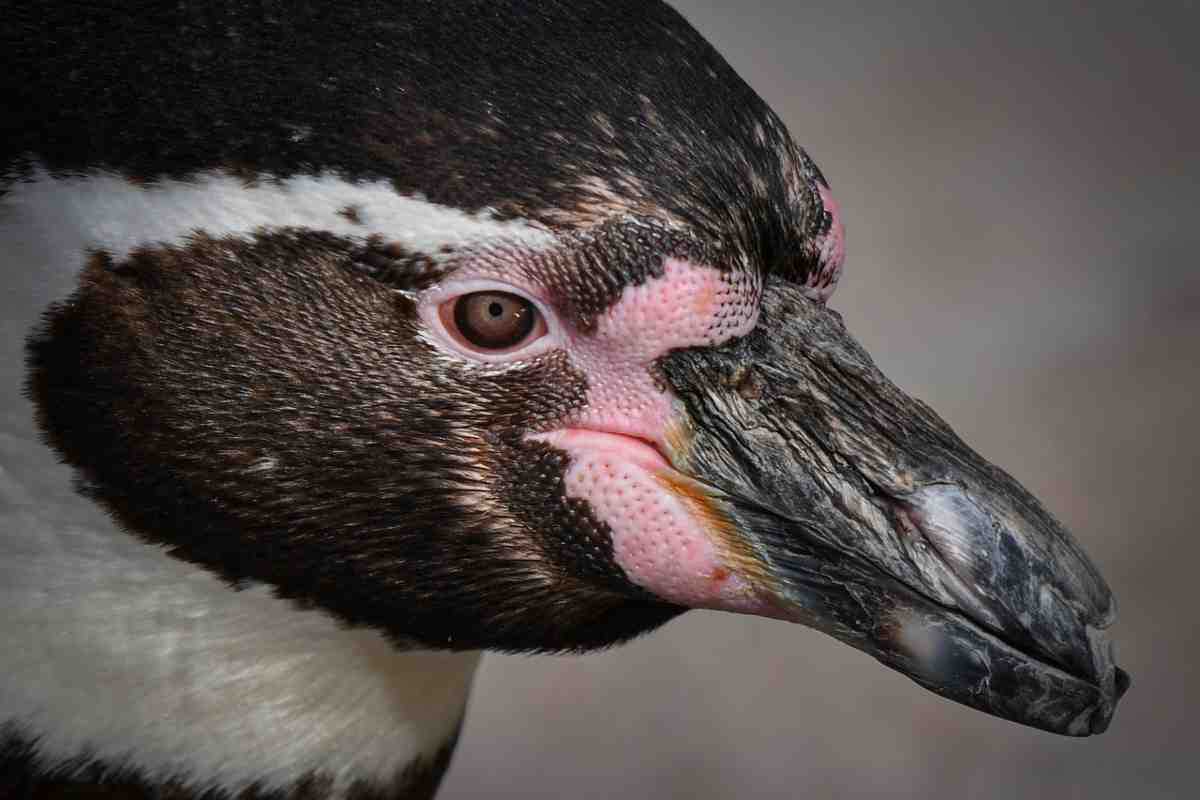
(552, 364)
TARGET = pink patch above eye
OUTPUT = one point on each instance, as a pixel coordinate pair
(831, 252)
(688, 306)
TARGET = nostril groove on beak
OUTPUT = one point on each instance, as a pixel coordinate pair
(748, 384)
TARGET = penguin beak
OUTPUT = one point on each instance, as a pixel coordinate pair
(854, 509)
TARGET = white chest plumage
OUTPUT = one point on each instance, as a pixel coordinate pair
(117, 651)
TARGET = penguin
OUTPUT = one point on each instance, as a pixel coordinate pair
(345, 342)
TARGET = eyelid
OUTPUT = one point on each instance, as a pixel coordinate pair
(445, 290)
(431, 300)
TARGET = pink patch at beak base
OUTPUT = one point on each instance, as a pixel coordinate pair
(667, 537)
(689, 305)
(659, 540)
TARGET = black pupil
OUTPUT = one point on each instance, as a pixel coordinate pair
(494, 320)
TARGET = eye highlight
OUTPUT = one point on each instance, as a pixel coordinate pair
(492, 321)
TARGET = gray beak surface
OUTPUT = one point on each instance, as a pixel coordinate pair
(863, 515)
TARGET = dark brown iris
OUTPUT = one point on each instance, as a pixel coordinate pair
(494, 320)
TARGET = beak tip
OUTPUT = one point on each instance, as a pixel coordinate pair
(1103, 714)
(1122, 683)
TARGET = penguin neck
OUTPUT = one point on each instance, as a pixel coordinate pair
(125, 667)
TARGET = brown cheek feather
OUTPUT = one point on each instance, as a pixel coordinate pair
(268, 412)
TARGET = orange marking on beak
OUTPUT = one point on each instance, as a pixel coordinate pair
(735, 551)
(678, 436)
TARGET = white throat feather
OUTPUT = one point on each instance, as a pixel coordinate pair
(114, 650)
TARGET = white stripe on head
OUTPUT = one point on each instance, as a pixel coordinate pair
(102, 210)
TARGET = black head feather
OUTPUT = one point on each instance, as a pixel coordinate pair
(265, 406)
(566, 113)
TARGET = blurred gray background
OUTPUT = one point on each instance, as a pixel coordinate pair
(1022, 195)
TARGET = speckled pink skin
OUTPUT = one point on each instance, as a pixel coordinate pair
(617, 443)
(831, 252)
(688, 306)
(658, 540)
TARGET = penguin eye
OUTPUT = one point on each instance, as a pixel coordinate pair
(492, 321)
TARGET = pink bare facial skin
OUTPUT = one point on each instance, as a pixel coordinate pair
(616, 443)
(831, 252)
